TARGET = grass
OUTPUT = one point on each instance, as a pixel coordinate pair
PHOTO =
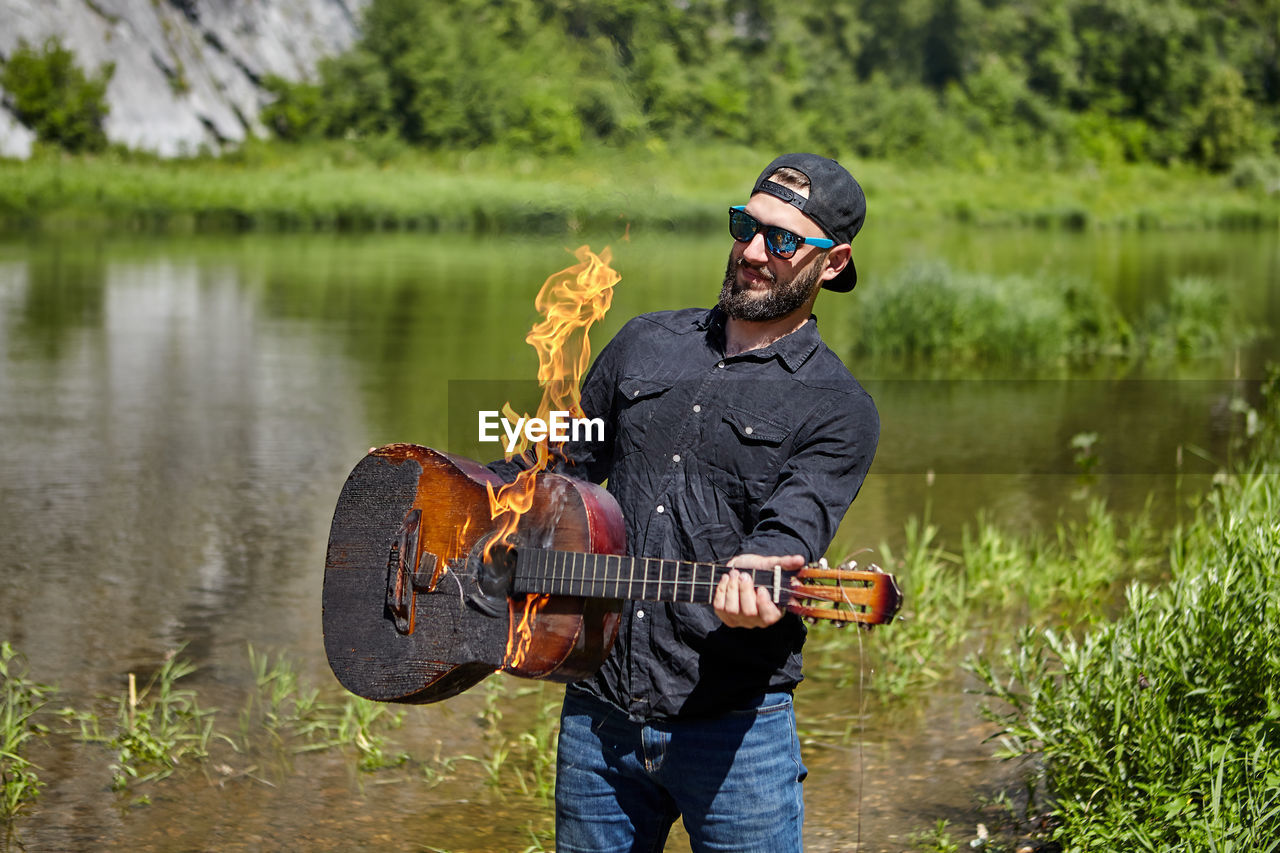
(155, 729)
(292, 718)
(344, 186)
(1161, 730)
(528, 760)
(931, 315)
(958, 600)
(20, 700)
(160, 727)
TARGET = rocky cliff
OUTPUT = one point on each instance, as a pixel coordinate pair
(188, 72)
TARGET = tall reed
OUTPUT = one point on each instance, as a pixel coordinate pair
(932, 315)
(1161, 730)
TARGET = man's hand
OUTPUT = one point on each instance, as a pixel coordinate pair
(738, 603)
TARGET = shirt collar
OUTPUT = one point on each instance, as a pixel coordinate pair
(792, 350)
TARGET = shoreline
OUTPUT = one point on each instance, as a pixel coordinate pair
(343, 187)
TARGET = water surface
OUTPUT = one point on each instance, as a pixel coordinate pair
(177, 417)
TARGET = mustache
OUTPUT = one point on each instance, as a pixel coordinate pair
(764, 272)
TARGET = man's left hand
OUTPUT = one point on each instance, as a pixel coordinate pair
(739, 603)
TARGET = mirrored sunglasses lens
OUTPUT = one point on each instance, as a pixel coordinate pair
(782, 243)
(742, 226)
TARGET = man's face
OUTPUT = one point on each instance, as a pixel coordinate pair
(759, 286)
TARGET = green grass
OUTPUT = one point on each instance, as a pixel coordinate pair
(1161, 730)
(932, 316)
(346, 186)
(20, 700)
(995, 579)
(155, 728)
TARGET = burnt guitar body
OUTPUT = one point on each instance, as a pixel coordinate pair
(414, 610)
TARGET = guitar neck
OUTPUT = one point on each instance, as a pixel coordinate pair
(632, 578)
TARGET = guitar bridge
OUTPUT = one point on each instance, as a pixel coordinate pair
(408, 573)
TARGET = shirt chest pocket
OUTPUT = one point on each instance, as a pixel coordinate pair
(745, 452)
(639, 401)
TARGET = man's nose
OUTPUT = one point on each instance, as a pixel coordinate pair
(755, 251)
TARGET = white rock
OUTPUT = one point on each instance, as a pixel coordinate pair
(187, 72)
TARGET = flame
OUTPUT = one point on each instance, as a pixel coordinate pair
(570, 301)
(520, 636)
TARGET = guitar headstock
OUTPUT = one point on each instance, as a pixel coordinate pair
(867, 596)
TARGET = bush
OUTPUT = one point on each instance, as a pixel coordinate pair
(1159, 731)
(52, 95)
(1256, 173)
(1222, 125)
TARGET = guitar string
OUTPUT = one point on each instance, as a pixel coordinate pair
(534, 571)
(862, 732)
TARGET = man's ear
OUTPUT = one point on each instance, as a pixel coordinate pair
(837, 259)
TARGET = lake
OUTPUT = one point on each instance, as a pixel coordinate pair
(178, 415)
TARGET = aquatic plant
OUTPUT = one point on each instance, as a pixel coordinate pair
(932, 314)
(292, 715)
(526, 761)
(1161, 730)
(156, 728)
(994, 580)
(20, 700)
(280, 706)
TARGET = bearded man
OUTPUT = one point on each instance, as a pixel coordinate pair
(733, 435)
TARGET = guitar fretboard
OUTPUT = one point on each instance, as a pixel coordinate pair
(614, 576)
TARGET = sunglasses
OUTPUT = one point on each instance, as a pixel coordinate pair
(780, 242)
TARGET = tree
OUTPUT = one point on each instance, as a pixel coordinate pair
(53, 96)
(1222, 126)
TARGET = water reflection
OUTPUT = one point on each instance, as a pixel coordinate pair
(177, 418)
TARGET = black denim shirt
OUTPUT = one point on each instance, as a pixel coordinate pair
(711, 456)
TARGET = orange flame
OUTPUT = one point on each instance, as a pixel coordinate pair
(570, 300)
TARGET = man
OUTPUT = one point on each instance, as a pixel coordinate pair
(732, 436)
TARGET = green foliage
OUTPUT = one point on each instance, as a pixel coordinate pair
(293, 718)
(382, 183)
(20, 700)
(936, 840)
(156, 728)
(1222, 128)
(994, 580)
(931, 314)
(529, 758)
(1159, 731)
(55, 98)
(967, 82)
(296, 111)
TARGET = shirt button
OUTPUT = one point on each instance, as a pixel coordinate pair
(748, 430)
(697, 408)
(639, 614)
(675, 458)
(661, 508)
(635, 393)
(720, 364)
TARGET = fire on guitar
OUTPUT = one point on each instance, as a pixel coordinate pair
(421, 601)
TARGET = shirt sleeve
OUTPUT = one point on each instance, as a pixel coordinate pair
(818, 483)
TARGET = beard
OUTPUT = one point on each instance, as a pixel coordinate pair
(782, 298)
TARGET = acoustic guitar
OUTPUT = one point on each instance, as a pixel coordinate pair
(422, 600)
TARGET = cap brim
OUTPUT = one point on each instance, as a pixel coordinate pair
(844, 282)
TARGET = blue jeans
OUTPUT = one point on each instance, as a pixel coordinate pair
(734, 779)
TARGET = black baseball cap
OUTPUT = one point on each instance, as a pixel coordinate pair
(835, 202)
